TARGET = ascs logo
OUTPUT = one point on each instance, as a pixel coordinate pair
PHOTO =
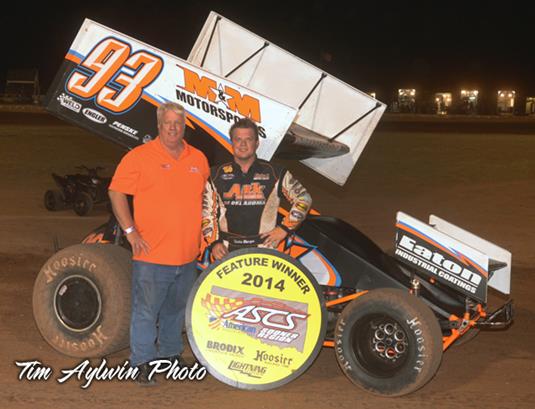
(223, 95)
(269, 317)
(94, 116)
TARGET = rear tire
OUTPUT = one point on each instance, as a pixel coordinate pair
(388, 342)
(53, 200)
(81, 300)
(83, 203)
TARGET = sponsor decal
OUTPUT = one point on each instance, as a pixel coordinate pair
(207, 232)
(277, 359)
(227, 169)
(94, 116)
(261, 176)
(460, 272)
(166, 166)
(68, 102)
(274, 322)
(216, 99)
(193, 169)
(296, 216)
(301, 206)
(224, 347)
(250, 370)
(242, 193)
(227, 176)
(208, 89)
(265, 310)
(124, 129)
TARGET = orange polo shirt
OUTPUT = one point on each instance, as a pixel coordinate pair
(167, 199)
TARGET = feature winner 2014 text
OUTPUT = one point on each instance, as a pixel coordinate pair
(287, 270)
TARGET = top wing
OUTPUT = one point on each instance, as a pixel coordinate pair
(340, 117)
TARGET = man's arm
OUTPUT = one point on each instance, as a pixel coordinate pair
(210, 222)
(301, 203)
(300, 200)
(121, 209)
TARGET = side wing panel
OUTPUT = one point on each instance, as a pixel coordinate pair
(111, 83)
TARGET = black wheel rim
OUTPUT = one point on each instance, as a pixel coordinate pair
(380, 344)
(77, 303)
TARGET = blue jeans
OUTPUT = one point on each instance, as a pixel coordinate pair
(159, 296)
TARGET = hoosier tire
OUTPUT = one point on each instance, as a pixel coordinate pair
(81, 300)
(388, 342)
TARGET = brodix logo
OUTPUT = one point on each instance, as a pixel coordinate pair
(208, 89)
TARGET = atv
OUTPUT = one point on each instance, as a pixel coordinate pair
(79, 191)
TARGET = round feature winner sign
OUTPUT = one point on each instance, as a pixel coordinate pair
(255, 319)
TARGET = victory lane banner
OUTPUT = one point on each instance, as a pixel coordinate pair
(256, 319)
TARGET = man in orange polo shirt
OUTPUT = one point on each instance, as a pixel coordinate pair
(166, 178)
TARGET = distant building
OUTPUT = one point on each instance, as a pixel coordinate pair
(407, 100)
(530, 105)
(505, 102)
(22, 86)
(469, 101)
(442, 102)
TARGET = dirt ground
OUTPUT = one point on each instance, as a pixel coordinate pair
(479, 176)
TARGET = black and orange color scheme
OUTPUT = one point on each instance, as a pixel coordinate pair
(238, 207)
(93, 90)
(105, 92)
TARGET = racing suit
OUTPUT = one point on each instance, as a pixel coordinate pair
(238, 207)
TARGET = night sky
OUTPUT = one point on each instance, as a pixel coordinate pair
(440, 46)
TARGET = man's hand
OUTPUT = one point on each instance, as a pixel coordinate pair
(273, 238)
(138, 244)
(121, 209)
(219, 251)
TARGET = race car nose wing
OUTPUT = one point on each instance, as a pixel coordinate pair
(499, 258)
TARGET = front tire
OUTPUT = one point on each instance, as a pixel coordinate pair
(81, 300)
(388, 342)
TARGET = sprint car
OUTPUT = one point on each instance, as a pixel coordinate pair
(390, 316)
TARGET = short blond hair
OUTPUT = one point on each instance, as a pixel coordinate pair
(170, 106)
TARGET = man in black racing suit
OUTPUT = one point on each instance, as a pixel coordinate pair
(241, 198)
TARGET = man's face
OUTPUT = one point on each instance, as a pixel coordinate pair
(171, 129)
(244, 143)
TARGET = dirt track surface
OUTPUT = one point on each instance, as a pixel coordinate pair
(483, 182)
